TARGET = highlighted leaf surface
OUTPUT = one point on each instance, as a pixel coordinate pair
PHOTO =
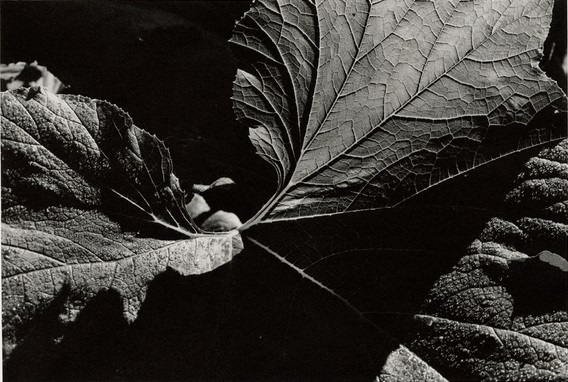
(89, 203)
(361, 105)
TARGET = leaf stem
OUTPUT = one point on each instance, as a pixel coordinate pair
(324, 287)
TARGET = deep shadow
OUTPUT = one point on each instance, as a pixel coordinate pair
(174, 79)
(252, 319)
(537, 288)
(33, 358)
(93, 348)
(87, 349)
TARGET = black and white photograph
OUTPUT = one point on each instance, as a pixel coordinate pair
(284, 190)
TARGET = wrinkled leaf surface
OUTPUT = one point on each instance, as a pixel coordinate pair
(89, 203)
(501, 314)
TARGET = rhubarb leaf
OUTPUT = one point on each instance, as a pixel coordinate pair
(89, 203)
(87, 153)
(501, 313)
(63, 250)
(360, 105)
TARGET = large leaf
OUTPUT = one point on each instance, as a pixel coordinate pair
(502, 311)
(87, 154)
(360, 105)
(346, 250)
(89, 203)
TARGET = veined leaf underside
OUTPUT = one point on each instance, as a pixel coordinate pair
(361, 105)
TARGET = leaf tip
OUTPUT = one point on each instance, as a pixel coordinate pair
(554, 259)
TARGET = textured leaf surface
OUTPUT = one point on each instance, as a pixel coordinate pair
(501, 314)
(383, 264)
(86, 153)
(402, 365)
(89, 203)
(361, 105)
(58, 249)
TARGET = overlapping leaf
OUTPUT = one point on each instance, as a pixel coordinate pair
(501, 314)
(404, 366)
(89, 203)
(87, 154)
(57, 249)
(360, 105)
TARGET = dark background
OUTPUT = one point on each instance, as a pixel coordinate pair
(168, 64)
